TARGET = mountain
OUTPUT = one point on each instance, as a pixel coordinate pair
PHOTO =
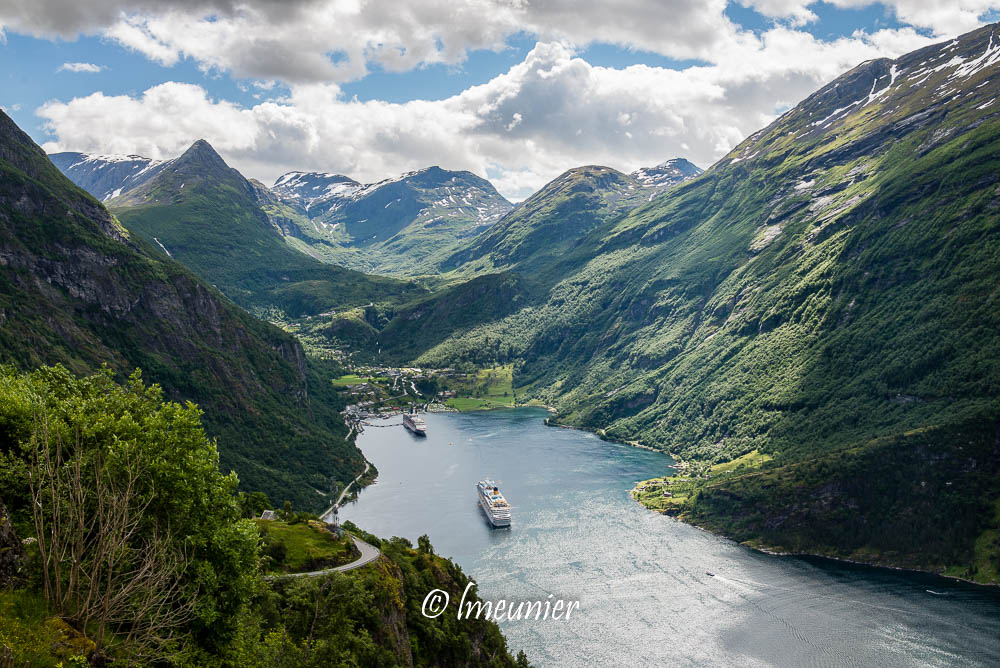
(401, 226)
(78, 288)
(106, 176)
(818, 309)
(314, 190)
(551, 221)
(549, 224)
(665, 175)
(206, 215)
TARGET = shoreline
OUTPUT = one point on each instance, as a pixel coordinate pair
(769, 550)
(866, 564)
(776, 552)
(601, 434)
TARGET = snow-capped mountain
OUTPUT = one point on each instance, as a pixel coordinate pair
(107, 176)
(309, 191)
(433, 192)
(392, 226)
(666, 174)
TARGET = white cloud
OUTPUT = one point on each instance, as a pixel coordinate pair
(548, 113)
(81, 67)
(944, 18)
(951, 17)
(336, 40)
(312, 41)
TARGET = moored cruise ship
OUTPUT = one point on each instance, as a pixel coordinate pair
(415, 423)
(493, 503)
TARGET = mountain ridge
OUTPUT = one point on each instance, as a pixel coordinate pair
(209, 217)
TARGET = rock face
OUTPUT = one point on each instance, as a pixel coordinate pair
(11, 550)
(314, 192)
(666, 174)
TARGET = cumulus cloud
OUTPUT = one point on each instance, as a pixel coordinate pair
(80, 67)
(547, 113)
(942, 18)
(306, 41)
(312, 41)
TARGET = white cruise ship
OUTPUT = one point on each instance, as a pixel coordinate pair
(415, 423)
(493, 504)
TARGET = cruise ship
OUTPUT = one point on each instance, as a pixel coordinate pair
(493, 504)
(415, 423)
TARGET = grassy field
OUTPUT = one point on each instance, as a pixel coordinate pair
(349, 379)
(293, 548)
(681, 489)
(490, 388)
(652, 495)
(352, 379)
(750, 460)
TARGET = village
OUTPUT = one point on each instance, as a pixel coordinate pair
(381, 391)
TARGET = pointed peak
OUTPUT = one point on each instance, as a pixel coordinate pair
(202, 151)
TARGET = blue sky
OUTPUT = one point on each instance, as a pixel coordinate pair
(311, 99)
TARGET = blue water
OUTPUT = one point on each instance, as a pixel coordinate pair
(645, 598)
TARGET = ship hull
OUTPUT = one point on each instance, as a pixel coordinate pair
(413, 430)
(499, 523)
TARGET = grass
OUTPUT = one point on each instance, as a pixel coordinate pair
(652, 496)
(298, 547)
(33, 637)
(682, 489)
(466, 404)
(489, 388)
(350, 379)
(750, 460)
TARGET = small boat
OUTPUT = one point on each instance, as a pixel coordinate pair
(710, 574)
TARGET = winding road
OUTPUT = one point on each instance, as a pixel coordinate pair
(369, 553)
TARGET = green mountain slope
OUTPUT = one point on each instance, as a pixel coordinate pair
(551, 222)
(77, 288)
(827, 288)
(400, 333)
(207, 216)
(543, 232)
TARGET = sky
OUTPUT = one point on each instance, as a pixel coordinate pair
(517, 91)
